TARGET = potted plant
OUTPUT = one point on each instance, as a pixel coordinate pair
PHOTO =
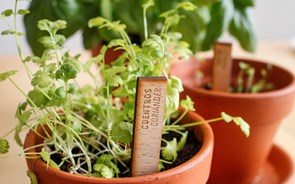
(235, 159)
(83, 133)
(200, 28)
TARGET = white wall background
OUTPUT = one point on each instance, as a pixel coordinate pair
(274, 20)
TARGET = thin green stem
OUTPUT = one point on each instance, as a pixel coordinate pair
(22, 92)
(165, 161)
(145, 24)
(240, 81)
(16, 33)
(18, 45)
(201, 122)
(180, 117)
(249, 83)
(9, 132)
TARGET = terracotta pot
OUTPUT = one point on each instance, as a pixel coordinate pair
(194, 171)
(110, 55)
(237, 159)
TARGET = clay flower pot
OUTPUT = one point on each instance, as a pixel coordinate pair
(237, 159)
(194, 171)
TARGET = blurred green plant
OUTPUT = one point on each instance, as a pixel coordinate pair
(200, 28)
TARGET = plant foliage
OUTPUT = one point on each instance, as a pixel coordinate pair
(200, 27)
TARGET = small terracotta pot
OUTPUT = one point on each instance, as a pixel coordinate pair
(237, 159)
(194, 171)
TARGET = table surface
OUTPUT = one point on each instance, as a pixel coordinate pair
(12, 169)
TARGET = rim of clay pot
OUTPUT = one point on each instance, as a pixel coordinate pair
(206, 148)
(287, 89)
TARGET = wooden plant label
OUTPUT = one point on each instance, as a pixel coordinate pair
(222, 66)
(147, 132)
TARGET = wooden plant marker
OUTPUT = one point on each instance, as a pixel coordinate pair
(147, 132)
(222, 66)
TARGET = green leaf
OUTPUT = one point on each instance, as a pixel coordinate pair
(23, 12)
(181, 143)
(227, 118)
(148, 4)
(118, 43)
(101, 22)
(103, 171)
(169, 152)
(115, 81)
(4, 146)
(187, 104)
(172, 99)
(23, 118)
(51, 26)
(174, 88)
(75, 12)
(221, 15)
(176, 83)
(111, 72)
(53, 42)
(242, 28)
(38, 98)
(244, 65)
(69, 70)
(61, 93)
(244, 126)
(243, 3)
(161, 166)
(7, 12)
(122, 132)
(96, 22)
(42, 80)
(188, 6)
(7, 32)
(106, 166)
(6, 75)
(195, 23)
(73, 88)
(46, 157)
(19, 33)
(77, 126)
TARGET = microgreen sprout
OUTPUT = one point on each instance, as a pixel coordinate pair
(250, 86)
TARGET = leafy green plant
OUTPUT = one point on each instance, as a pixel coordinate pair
(200, 27)
(251, 86)
(245, 82)
(89, 127)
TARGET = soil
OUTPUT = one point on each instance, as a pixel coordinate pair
(188, 151)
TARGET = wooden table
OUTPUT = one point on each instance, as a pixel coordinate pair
(13, 169)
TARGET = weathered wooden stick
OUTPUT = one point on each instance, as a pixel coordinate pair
(147, 132)
(222, 66)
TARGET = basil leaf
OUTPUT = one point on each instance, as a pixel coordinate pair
(221, 15)
(242, 28)
(75, 12)
(244, 3)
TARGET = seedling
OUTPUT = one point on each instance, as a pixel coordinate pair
(245, 81)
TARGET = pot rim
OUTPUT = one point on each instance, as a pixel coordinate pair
(206, 149)
(288, 89)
